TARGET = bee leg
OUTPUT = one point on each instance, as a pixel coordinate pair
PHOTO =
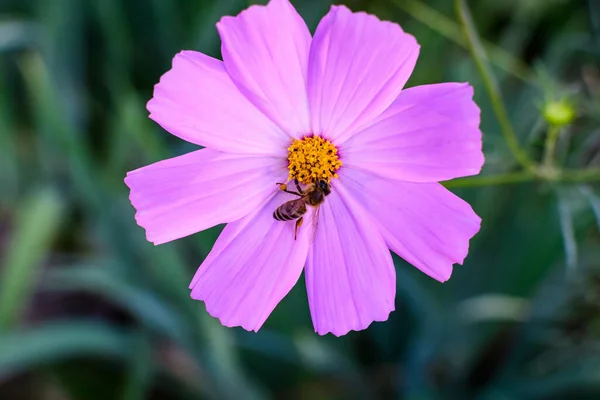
(298, 225)
(283, 187)
(298, 186)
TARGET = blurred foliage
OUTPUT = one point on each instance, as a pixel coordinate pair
(90, 310)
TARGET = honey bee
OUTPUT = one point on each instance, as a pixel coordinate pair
(312, 195)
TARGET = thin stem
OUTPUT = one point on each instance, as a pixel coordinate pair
(491, 85)
(489, 180)
(543, 174)
(582, 175)
(446, 27)
(550, 147)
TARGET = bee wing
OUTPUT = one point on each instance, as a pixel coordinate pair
(294, 206)
(314, 223)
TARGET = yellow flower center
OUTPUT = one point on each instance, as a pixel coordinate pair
(313, 158)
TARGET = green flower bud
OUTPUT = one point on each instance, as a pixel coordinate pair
(559, 112)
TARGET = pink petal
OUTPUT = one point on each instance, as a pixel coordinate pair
(197, 101)
(423, 223)
(265, 50)
(357, 67)
(253, 265)
(431, 133)
(350, 277)
(187, 194)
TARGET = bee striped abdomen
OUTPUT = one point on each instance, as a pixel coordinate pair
(293, 209)
(279, 216)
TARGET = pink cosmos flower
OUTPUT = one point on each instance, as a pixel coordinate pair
(283, 105)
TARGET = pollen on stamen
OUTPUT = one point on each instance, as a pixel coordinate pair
(313, 158)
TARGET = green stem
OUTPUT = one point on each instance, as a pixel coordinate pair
(489, 180)
(543, 174)
(582, 175)
(491, 85)
(550, 147)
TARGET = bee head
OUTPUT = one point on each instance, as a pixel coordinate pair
(324, 187)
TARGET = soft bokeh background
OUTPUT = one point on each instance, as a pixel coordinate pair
(90, 310)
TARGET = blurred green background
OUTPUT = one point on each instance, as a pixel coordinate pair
(90, 310)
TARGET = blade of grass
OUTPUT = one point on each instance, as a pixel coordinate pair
(147, 307)
(66, 145)
(223, 360)
(9, 178)
(215, 346)
(16, 34)
(567, 230)
(491, 85)
(446, 27)
(594, 201)
(140, 371)
(38, 220)
(24, 350)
